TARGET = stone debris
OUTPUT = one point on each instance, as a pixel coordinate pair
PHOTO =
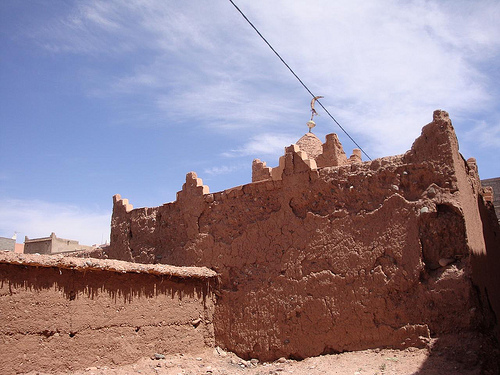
(196, 322)
(219, 351)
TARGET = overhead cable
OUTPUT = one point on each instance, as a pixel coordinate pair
(296, 76)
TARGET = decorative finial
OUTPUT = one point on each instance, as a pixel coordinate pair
(311, 124)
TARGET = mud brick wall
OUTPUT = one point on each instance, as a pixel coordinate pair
(66, 314)
(345, 256)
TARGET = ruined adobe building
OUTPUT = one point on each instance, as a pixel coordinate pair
(324, 254)
(320, 254)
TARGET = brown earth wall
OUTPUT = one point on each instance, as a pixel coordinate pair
(332, 259)
(82, 313)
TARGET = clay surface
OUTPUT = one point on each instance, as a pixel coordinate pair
(457, 354)
(324, 255)
(63, 314)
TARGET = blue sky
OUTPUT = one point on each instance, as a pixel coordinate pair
(106, 97)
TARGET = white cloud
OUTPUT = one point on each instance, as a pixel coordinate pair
(132, 83)
(224, 169)
(263, 144)
(484, 135)
(383, 67)
(34, 218)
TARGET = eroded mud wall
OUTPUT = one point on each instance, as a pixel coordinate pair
(62, 319)
(330, 259)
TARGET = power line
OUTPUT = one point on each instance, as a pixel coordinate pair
(296, 76)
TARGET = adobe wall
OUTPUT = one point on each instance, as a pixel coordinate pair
(66, 313)
(347, 256)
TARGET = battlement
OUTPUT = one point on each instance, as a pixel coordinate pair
(118, 201)
(312, 152)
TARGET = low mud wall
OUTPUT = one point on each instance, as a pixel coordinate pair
(67, 313)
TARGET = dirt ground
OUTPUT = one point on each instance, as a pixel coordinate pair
(454, 354)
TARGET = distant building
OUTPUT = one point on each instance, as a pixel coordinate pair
(52, 245)
(494, 183)
(7, 244)
(19, 248)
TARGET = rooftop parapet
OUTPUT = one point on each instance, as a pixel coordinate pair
(192, 187)
(333, 153)
(118, 201)
(312, 152)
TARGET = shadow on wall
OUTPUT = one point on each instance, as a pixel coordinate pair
(469, 351)
(486, 267)
(91, 284)
(464, 353)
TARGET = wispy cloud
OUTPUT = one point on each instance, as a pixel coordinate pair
(263, 144)
(484, 135)
(383, 67)
(220, 170)
(34, 218)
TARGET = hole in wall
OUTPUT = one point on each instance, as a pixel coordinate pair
(48, 333)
